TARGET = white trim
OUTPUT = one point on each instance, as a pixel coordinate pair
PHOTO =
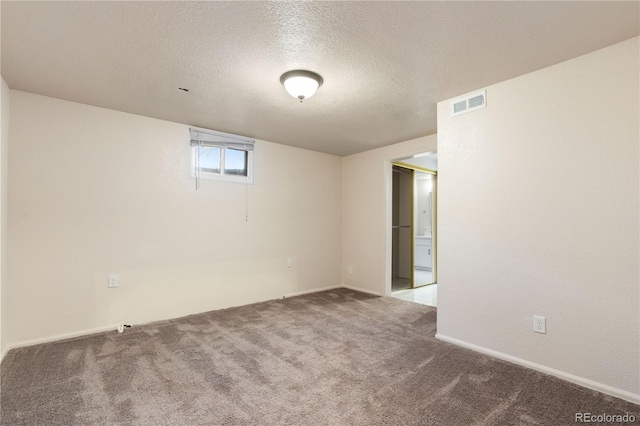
(315, 290)
(600, 387)
(114, 327)
(362, 290)
(58, 337)
(333, 287)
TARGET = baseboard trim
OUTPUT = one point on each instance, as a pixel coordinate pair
(315, 290)
(114, 327)
(362, 290)
(600, 387)
(59, 337)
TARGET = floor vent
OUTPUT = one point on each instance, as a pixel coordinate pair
(470, 103)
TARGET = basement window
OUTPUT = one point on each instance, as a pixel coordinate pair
(221, 156)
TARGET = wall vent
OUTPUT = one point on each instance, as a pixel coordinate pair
(469, 103)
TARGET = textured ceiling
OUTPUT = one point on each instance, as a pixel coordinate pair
(384, 64)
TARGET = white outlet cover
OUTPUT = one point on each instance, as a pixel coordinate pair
(113, 281)
(539, 324)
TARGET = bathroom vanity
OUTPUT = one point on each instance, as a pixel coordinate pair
(423, 255)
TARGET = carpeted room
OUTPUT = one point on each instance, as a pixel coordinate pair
(96, 181)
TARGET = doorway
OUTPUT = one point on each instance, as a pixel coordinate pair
(414, 231)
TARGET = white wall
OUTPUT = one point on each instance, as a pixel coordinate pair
(4, 159)
(366, 217)
(538, 215)
(96, 192)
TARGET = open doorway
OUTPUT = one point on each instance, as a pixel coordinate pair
(414, 231)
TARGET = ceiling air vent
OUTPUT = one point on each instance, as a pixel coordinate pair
(469, 103)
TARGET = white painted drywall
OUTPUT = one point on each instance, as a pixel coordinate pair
(538, 215)
(95, 192)
(366, 218)
(5, 95)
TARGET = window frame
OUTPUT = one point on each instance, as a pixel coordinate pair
(223, 141)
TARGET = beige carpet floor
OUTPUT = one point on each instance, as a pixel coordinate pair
(332, 358)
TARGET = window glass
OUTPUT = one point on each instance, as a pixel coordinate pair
(209, 159)
(235, 162)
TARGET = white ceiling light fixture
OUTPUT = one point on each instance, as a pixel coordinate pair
(301, 84)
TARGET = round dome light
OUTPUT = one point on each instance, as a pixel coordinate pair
(301, 84)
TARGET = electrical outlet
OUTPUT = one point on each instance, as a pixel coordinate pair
(350, 271)
(289, 263)
(113, 281)
(539, 324)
